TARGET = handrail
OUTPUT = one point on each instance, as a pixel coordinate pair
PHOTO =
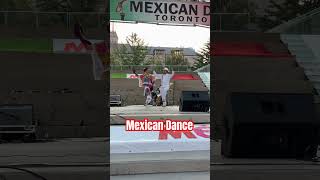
(202, 68)
(294, 21)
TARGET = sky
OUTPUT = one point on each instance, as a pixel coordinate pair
(164, 36)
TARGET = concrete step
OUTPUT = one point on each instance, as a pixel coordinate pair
(291, 38)
(295, 44)
(161, 176)
(172, 162)
(300, 50)
(304, 55)
(307, 61)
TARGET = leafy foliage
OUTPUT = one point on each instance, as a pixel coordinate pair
(66, 5)
(154, 60)
(203, 57)
(134, 52)
(176, 59)
(16, 5)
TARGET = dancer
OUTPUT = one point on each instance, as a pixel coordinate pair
(99, 52)
(147, 81)
(119, 9)
(165, 84)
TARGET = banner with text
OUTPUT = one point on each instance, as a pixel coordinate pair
(122, 141)
(70, 46)
(168, 12)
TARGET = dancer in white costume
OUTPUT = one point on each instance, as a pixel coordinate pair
(165, 84)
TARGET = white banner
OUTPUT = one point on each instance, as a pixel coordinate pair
(132, 76)
(164, 11)
(159, 141)
(70, 46)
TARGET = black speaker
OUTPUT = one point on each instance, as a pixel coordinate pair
(194, 101)
(269, 125)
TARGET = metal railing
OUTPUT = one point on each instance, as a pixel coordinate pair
(231, 21)
(176, 68)
(299, 25)
(205, 68)
(37, 19)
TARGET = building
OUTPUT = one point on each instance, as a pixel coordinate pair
(160, 52)
(113, 40)
(163, 52)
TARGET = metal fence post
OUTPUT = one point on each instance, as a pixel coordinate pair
(220, 19)
(68, 20)
(99, 23)
(6, 18)
(248, 26)
(37, 20)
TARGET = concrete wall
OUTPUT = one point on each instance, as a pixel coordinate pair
(133, 95)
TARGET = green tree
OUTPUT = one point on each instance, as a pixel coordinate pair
(132, 53)
(16, 5)
(114, 57)
(203, 57)
(154, 60)
(234, 21)
(280, 12)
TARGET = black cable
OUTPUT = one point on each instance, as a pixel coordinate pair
(24, 170)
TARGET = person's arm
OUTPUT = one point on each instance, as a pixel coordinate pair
(172, 74)
(157, 76)
(134, 72)
(79, 33)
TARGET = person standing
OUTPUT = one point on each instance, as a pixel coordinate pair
(147, 82)
(165, 79)
(99, 51)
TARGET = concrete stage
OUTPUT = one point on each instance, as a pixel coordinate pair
(119, 114)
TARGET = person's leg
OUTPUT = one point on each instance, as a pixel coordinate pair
(147, 95)
(164, 96)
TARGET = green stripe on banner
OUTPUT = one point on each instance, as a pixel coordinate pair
(26, 45)
(118, 75)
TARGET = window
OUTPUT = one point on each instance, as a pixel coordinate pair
(159, 52)
(177, 52)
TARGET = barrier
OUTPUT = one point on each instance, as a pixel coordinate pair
(155, 141)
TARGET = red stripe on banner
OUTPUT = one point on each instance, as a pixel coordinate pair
(184, 77)
(244, 49)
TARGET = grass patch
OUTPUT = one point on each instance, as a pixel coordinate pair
(118, 75)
